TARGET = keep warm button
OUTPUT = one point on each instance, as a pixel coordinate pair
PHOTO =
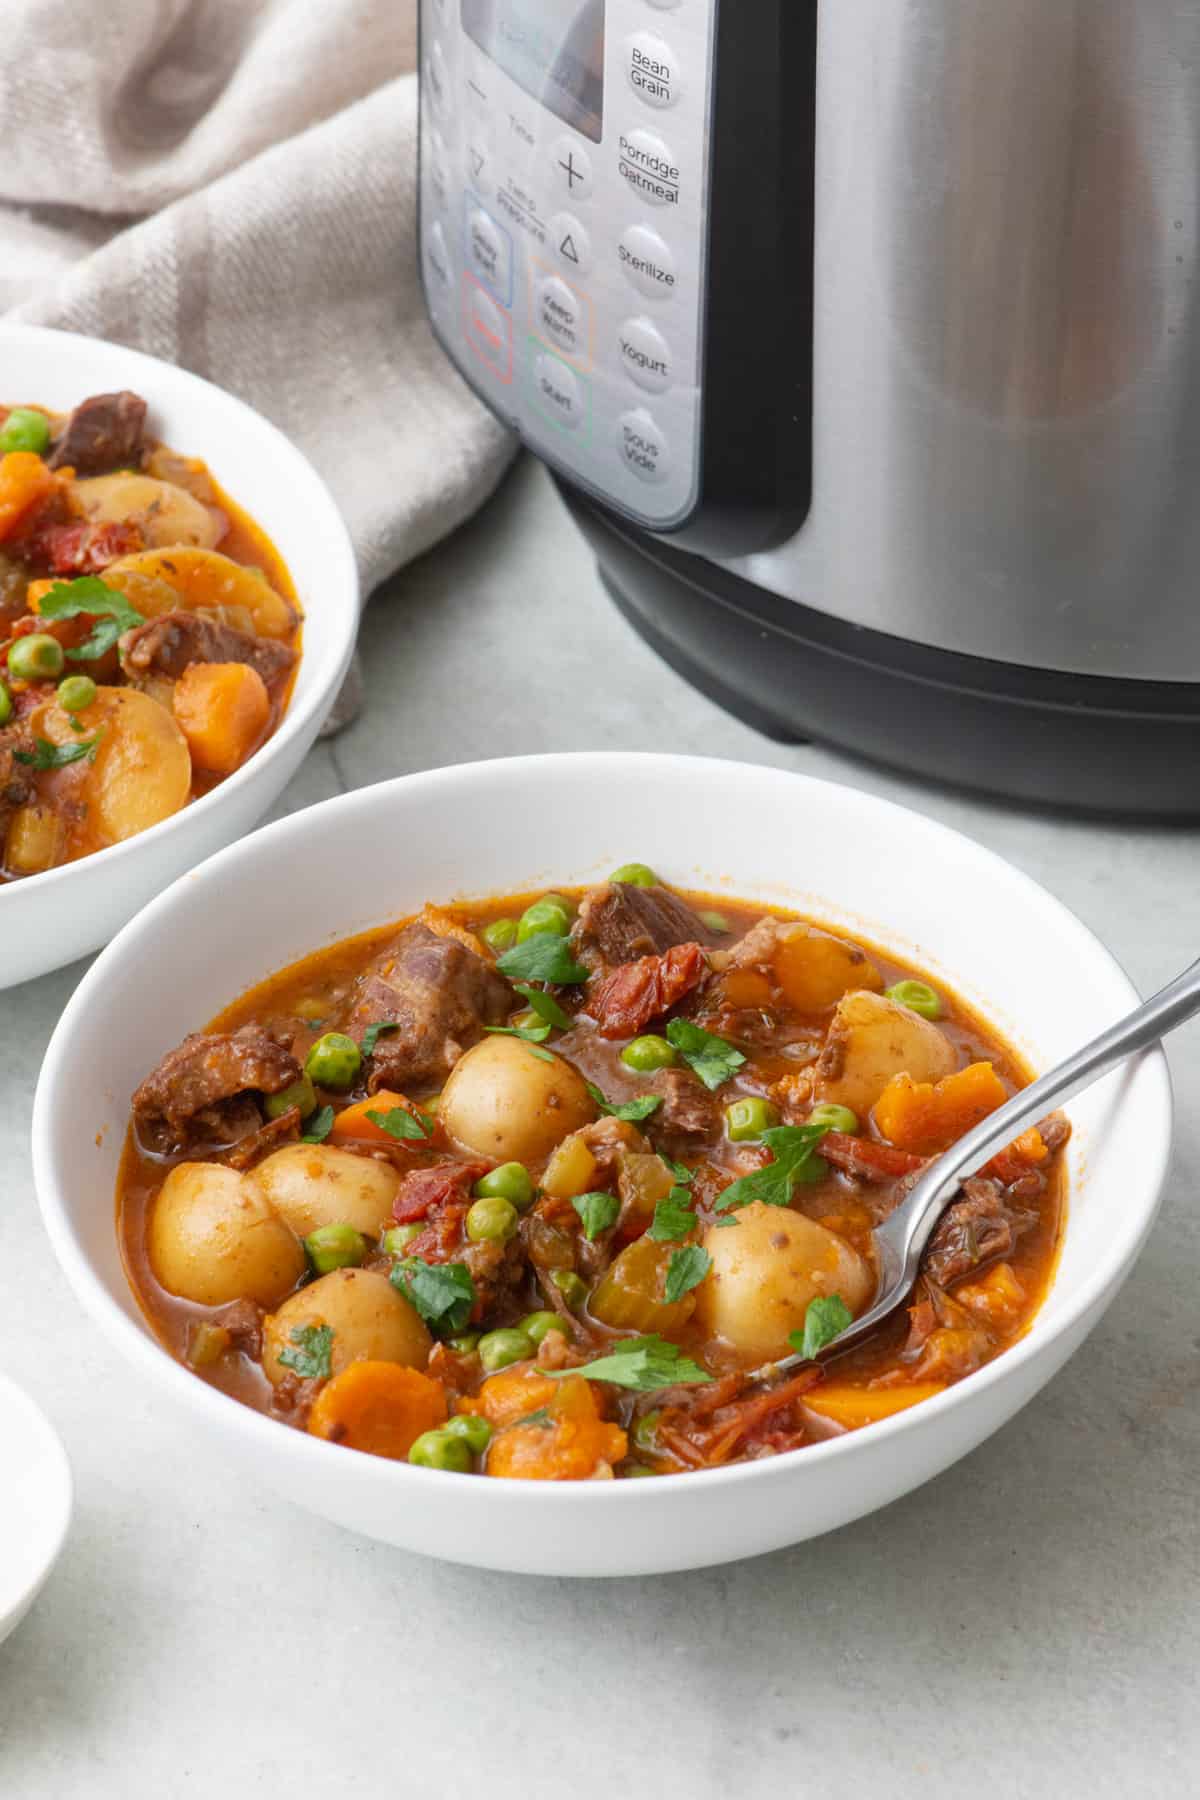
(643, 447)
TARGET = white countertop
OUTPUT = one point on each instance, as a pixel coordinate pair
(1027, 1625)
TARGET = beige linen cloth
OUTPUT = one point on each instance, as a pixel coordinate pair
(231, 185)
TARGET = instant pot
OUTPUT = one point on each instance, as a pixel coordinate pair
(862, 339)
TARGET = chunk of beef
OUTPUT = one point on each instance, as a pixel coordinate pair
(16, 784)
(243, 1320)
(440, 1198)
(439, 994)
(625, 999)
(689, 1115)
(205, 1088)
(170, 643)
(104, 432)
(262, 1139)
(977, 1229)
(617, 923)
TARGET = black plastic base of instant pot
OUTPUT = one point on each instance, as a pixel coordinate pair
(1129, 748)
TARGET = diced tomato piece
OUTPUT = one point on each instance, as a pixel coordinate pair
(625, 1001)
(870, 1162)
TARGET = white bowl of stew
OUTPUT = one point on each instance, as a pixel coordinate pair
(1019, 983)
(184, 509)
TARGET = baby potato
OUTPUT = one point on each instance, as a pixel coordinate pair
(814, 970)
(870, 1039)
(501, 1102)
(165, 514)
(765, 1270)
(141, 772)
(213, 1238)
(201, 580)
(311, 1185)
(370, 1322)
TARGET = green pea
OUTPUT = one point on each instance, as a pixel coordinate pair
(335, 1247)
(440, 1450)
(634, 875)
(396, 1241)
(492, 1222)
(539, 1325)
(38, 657)
(498, 1349)
(301, 1093)
(475, 1432)
(645, 1430)
(5, 703)
(918, 996)
(550, 913)
(466, 1343)
(749, 1118)
(511, 1182)
(571, 1286)
(500, 935)
(716, 921)
(834, 1118)
(334, 1061)
(25, 429)
(76, 693)
(648, 1053)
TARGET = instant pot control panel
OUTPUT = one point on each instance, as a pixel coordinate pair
(600, 194)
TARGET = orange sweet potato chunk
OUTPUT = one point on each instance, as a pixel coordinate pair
(924, 1117)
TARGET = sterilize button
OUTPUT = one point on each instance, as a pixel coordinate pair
(562, 316)
(643, 447)
(570, 243)
(647, 262)
(649, 166)
(653, 69)
(571, 168)
(558, 392)
(646, 355)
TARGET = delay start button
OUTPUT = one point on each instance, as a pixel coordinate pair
(643, 447)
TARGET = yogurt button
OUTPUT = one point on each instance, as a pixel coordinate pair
(646, 355)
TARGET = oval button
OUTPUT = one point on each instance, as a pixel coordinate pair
(646, 355)
(648, 262)
(558, 392)
(653, 69)
(649, 166)
(643, 447)
(561, 316)
(436, 254)
(571, 168)
(570, 243)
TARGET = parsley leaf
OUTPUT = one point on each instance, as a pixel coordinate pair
(319, 1126)
(544, 1005)
(110, 609)
(542, 1055)
(683, 1175)
(528, 1034)
(46, 755)
(632, 1112)
(793, 1147)
(402, 1125)
(311, 1358)
(598, 1212)
(642, 1364)
(825, 1319)
(673, 1218)
(443, 1293)
(540, 1417)
(543, 957)
(373, 1033)
(686, 1270)
(709, 1057)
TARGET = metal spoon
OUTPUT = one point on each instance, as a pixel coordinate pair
(901, 1240)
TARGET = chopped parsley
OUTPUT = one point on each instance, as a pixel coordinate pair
(542, 1055)
(544, 1005)
(443, 1293)
(543, 957)
(373, 1033)
(46, 755)
(673, 1218)
(794, 1150)
(632, 1112)
(686, 1270)
(709, 1057)
(311, 1359)
(825, 1319)
(528, 1034)
(683, 1175)
(110, 609)
(598, 1212)
(642, 1364)
(319, 1126)
(404, 1126)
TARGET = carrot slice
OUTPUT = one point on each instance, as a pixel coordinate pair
(25, 482)
(223, 709)
(852, 1407)
(379, 1407)
(568, 1441)
(353, 1126)
(924, 1117)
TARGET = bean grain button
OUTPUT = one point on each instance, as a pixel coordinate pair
(643, 446)
(646, 355)
(653, 69)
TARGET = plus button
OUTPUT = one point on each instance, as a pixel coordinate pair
(572, 168)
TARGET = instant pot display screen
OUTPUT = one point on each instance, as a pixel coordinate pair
(554, 49)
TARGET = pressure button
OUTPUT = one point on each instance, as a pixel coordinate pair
(643, 447)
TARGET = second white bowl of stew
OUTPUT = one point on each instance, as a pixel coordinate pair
(178, 599)
(546, 1103)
